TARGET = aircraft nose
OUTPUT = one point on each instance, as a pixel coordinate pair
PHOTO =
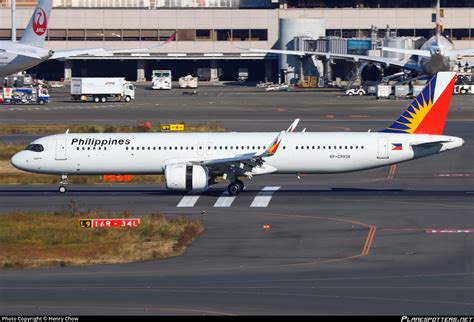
(19, 161)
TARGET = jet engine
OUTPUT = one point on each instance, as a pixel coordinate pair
(371, 72)
(184, 176)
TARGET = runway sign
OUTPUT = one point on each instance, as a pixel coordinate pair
(171, 127)
(109, 223)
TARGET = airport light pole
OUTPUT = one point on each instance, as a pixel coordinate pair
(13, 5)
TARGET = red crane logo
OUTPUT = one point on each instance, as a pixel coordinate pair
(40, 22)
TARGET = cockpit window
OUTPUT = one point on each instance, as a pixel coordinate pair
(35, 148)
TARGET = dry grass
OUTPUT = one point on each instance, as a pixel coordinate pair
(39, 240)
(142, 127)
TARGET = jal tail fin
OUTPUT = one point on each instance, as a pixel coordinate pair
(428, 111)
(36, 30)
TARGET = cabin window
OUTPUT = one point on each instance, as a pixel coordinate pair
(340, 147)
(105, 148)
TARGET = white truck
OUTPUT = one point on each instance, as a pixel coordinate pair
(161, 79)
(101, 89)
(188, 81)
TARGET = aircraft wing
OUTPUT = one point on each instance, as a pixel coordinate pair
(21, 53)
(142, 50)
(356, 58)
(246, 164)
(418, 52)
(461, 52)
(77, 52)
(99, 51)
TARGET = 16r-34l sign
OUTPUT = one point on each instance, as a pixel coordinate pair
(109, 223)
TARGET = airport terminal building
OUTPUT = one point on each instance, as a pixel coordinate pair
(212, 34)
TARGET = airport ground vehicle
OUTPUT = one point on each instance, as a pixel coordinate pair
(161, 79)
(277, 88)
(25, 95)
(243, 74)
(102, 89)
(193, 161)
(356, 91)
(464, 89)
(384, 91)
(188, 81)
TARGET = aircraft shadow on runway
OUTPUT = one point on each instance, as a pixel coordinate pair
(217, 192)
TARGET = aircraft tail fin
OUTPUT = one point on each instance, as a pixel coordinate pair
(427, 113)
(36, 30)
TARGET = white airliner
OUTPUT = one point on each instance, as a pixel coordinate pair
(29, 51)
(192, 161)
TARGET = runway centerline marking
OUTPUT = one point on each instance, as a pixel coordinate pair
(188, 201)
(225, 200)
(263, 198)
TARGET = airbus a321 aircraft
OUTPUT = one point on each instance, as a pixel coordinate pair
(29, 51)
(192, 161)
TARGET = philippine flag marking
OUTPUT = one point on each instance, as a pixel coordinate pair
(396, 146)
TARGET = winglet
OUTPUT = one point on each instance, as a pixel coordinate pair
(293, 126)
(172, 37)
(273, 147)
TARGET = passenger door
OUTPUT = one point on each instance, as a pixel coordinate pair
(382, 150)
(61, 149)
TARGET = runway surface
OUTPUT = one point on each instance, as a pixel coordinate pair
(386, 241)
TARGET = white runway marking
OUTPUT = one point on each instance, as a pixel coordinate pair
(225, 200)
(188, 201)
(263, 198)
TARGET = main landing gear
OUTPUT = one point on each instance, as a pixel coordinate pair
(63, 183)
(235, 187)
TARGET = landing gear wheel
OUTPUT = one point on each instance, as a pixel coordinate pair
(96, 99)
(103, 99)
(62, 189)
(240, 184)
(233, 189)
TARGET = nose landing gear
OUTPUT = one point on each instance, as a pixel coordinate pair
(63, 183)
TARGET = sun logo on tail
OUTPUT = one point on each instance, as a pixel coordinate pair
(417, 111)
(427, 113)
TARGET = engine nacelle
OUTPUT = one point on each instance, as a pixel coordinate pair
(371, 72)
(183, 176)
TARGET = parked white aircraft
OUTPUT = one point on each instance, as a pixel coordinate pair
(192, 161)
(29, 51)
(437, 54)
